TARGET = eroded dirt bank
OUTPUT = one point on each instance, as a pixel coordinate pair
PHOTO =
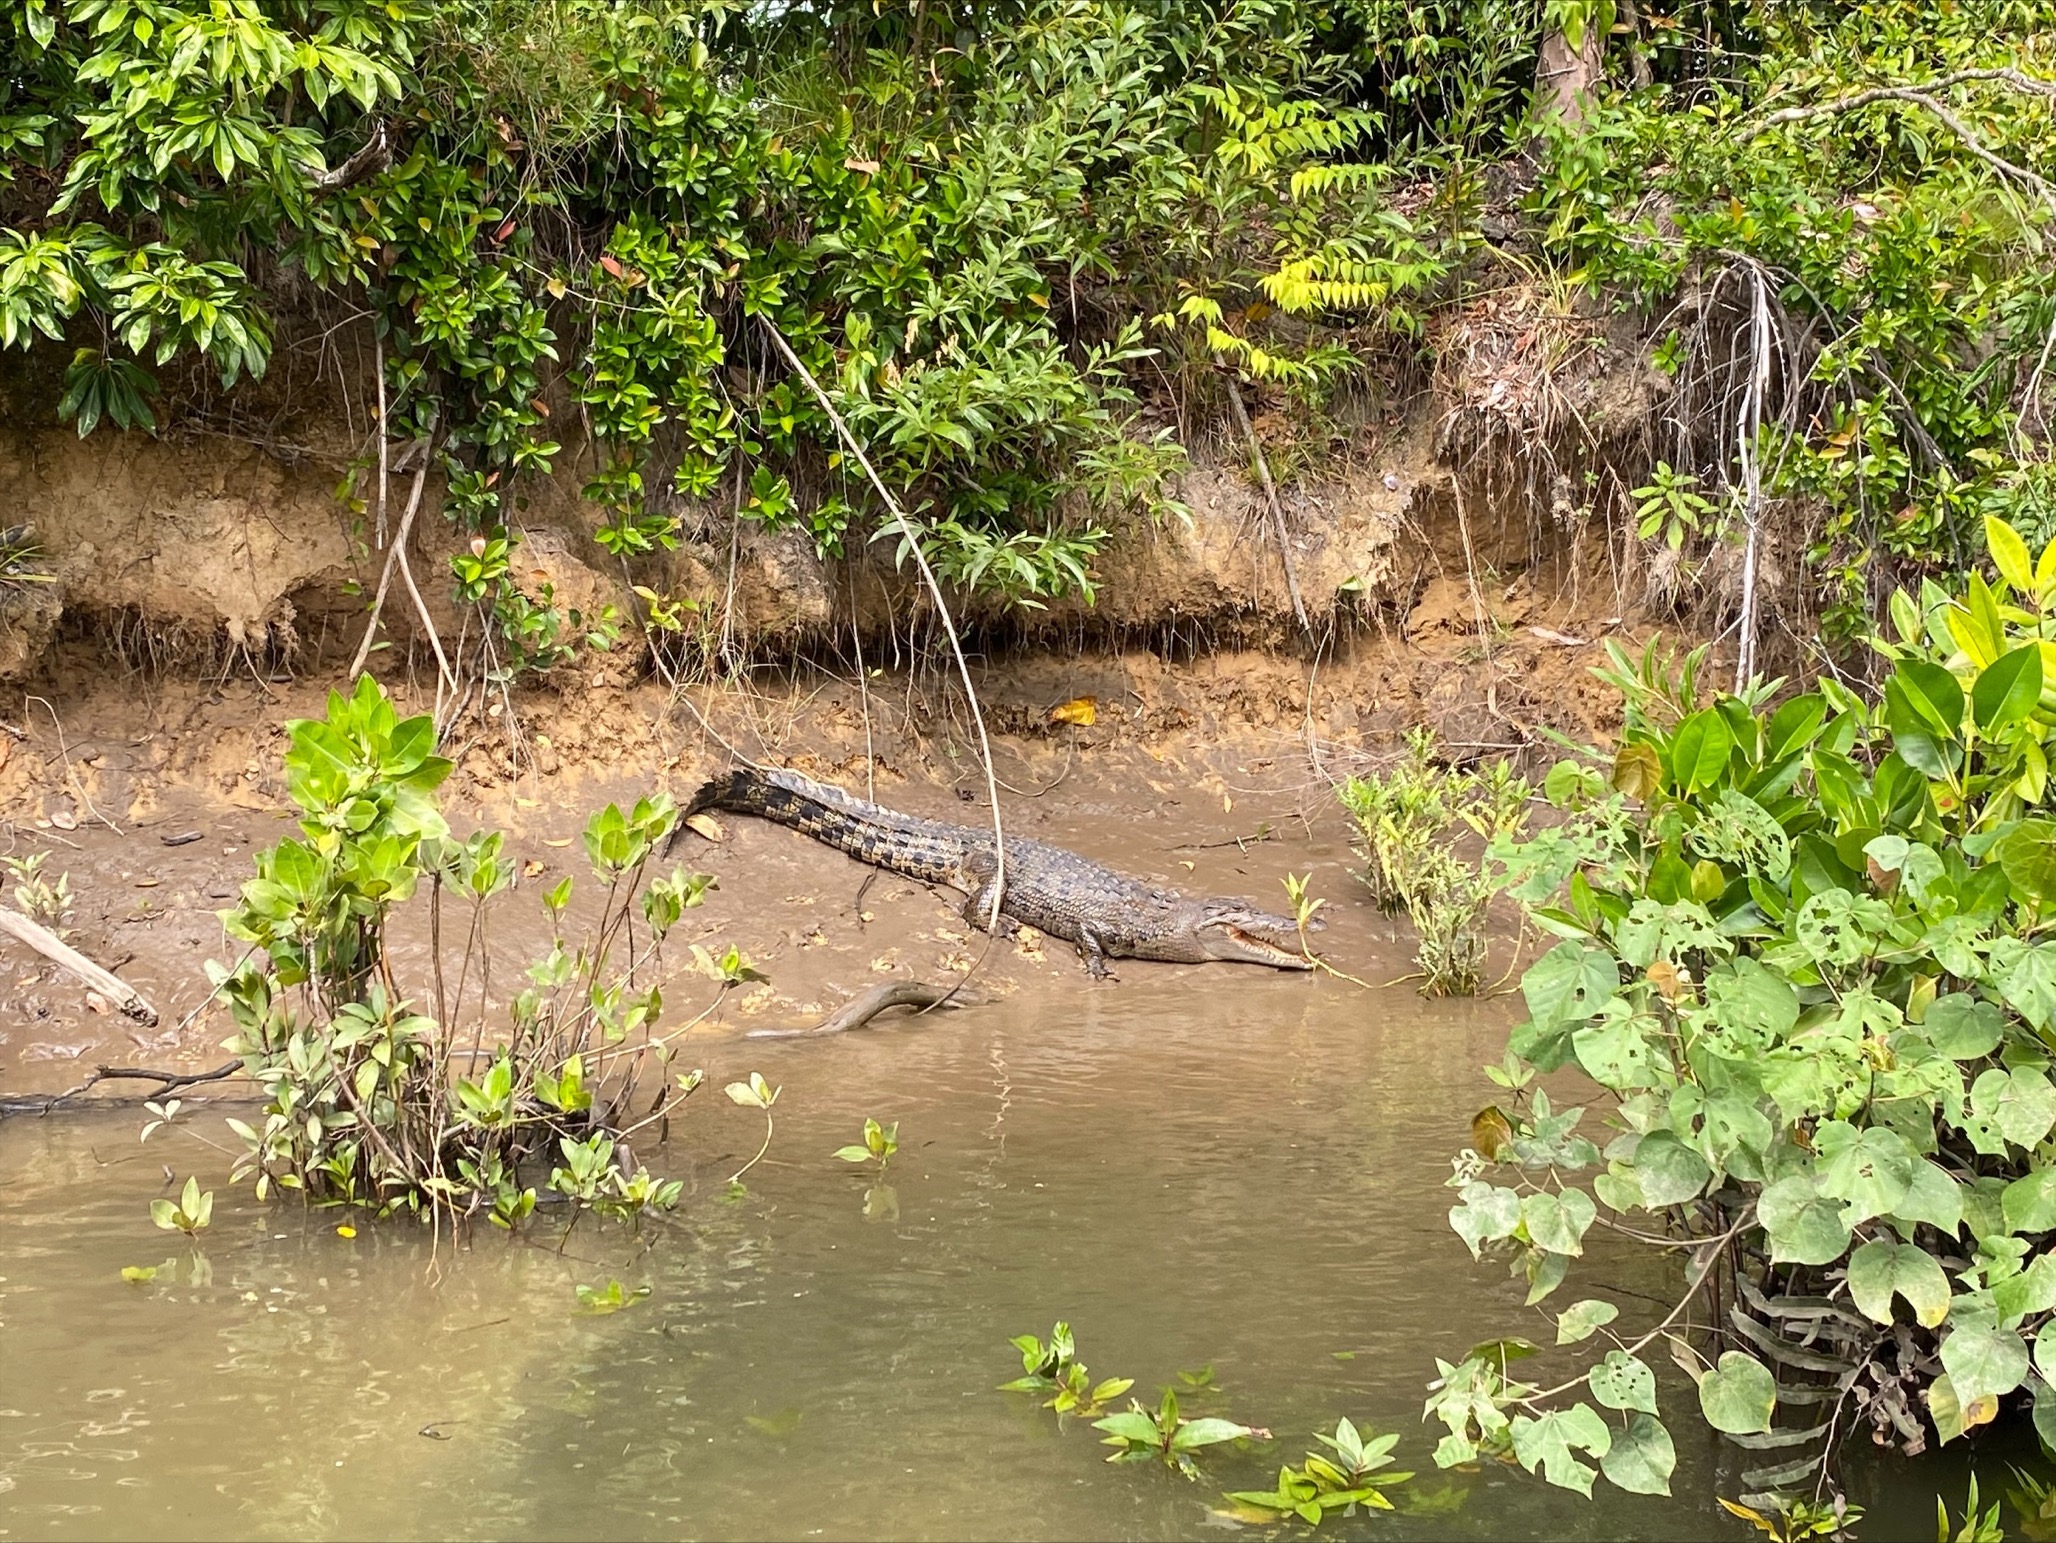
(1212, 775)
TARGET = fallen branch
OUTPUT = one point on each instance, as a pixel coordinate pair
(385, 579)
(859, 1011)
(106, 982)
(1263, 475)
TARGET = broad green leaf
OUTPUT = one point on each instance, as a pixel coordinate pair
(1622, 1382)
(1983, 1362)
(2027, 854)
(1932, 1197)
(1205, 1433)
(1549, 1440)
(1487, 1214)
(1668, 1171)
(2029, 1203)
(1870, 1168)
(1963, 1027)
(1881, 1268)
(1739, 1395)
(1744, 995)
(1699, 750)
(2007, 689)
(2026, 978)
(1641, 1458)
(1933, 693)
(1558, 1222)
(1804, 1226)
(1581, 1320)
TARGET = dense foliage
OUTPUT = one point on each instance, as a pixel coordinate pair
(1014, 241)
(1806, 953)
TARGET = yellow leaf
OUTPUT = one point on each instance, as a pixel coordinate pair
(564, 843)
(2009, 554)
(856, 163)
(1491, 1131)
(346, 1231)
(1083, 711)
(1227, 804)
(706, 825)
(1636, 770)
(1981, 1410)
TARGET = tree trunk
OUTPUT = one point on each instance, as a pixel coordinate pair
(1564, 76)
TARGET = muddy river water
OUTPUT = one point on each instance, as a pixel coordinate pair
(1212, 1167)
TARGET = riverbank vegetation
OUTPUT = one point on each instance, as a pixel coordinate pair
(1031, 249)
(1803, 950)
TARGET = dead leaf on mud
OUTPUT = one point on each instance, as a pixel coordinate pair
(886, 962)
(531, 868)
(706, 825)
(1227, 804)
(1082, 710)
(64, 819)
(564, 843)
(1560, 639)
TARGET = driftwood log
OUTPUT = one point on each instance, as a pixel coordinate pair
(858, 1011)
(111, 986)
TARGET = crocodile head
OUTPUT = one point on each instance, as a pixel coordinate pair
(1237, 932)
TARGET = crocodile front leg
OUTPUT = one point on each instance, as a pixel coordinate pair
(1093, 948)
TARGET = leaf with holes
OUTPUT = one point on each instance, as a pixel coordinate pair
(1622, 1382)
(1881, 1269)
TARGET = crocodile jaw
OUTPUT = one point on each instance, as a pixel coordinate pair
(1243, 935)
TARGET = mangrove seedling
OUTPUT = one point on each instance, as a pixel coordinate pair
(879, 1143)
(1340, 1483)
(754, 1094)
(1138, 1434)
(39, 899)
(191, 1214)
(1975, 1528)
(1054, 1369)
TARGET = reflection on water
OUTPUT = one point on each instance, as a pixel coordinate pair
(1200, 1168)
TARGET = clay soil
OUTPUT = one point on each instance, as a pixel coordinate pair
(1212, 775)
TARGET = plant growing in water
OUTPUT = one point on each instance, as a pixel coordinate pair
(1054, 1368)
(190, 1214)
(1341, 1481)
(878, 1145)
(1407, 820)
(399, 1095)
(753, 1094)
(1138, 1434)
(1806, 954)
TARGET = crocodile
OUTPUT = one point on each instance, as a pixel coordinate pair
(1107, 915)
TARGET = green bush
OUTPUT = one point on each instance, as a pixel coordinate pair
(391, 1088)
(1805, 954)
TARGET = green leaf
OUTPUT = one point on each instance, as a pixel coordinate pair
(1558, 1222)
(1804, 1227)
(1869, 1168)
(1488, 1213)
(1641, 1458)
(1983, 1361)
(1933, 1197)
(2007, 689)
(1549, 1440)
(1739, 1395)
(1963, 1027)
(1933, 693)
(1581, 1320)
(1668, 1171)
(1205, 1433)
(854, 1154)
(1699, 750)
(1622, 1382)
(2026, 978)
(1882, 1268)
(2029, 1202)
(2027, 855)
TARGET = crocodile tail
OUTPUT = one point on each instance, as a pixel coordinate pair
(741, 789)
